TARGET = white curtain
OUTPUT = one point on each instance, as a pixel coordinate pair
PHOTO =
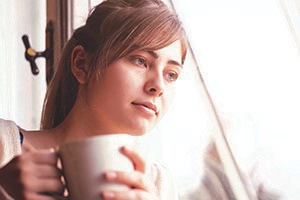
(291, 10)
(21, 93)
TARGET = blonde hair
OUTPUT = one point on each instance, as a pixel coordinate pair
(114, 29)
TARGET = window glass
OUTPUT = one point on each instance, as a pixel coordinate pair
(248, 57)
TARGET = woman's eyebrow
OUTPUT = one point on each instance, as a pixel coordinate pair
(173, 62)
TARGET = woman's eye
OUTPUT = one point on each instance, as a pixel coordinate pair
(139, 61)
(172, 76)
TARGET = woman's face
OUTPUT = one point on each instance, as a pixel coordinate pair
(135, 91)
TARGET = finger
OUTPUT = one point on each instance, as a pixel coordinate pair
(43, 196)
(27, 148)
(137, 160)
(133, 179)
(125, 195)
(44, 156)
(48, 186)
(47, 171)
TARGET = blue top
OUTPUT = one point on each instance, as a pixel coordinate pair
(21, 137)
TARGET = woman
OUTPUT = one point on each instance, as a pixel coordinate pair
(117, 74)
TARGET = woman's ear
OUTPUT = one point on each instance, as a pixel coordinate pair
(79, 64)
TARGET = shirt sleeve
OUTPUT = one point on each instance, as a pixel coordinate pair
(9, 141)
(9, 147)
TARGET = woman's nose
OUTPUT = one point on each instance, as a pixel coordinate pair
(155, 85)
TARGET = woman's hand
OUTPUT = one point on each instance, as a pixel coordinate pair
(32, 175)
(142, 187)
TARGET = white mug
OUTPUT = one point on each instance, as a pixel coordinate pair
(85, 161)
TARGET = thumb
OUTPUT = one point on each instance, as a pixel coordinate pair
(27, 148)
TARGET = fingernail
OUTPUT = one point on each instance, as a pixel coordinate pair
(127, 148)
(52, 150)
(122, 148)
(108, 195)
(111, 175)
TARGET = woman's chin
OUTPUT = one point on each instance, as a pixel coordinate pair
(139, 134)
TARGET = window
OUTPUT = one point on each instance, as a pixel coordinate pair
(248, 57)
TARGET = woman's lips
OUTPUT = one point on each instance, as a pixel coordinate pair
(147, 106)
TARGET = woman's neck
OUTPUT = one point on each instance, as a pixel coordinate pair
(78, 124)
